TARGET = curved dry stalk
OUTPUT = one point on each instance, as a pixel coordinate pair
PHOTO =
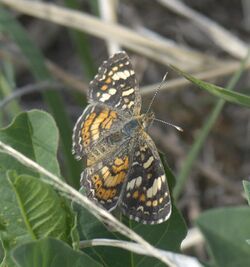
(222, 37)
(178, 259)
(149, 47)
(82, 200)
(193, 238)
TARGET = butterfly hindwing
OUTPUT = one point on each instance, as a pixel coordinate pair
(103, 181)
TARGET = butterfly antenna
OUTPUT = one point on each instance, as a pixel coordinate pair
(156, 92)
(171, 124)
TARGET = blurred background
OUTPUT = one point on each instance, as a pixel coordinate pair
(208, 39)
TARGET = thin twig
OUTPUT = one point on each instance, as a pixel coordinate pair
(82, 200)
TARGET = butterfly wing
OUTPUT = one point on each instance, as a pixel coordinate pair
(115, 85)
(92, 129)
(103, 181)
(114, 98)
(146, 197)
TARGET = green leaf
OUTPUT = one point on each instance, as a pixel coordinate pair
(89, 228)
(54, 100)
(28, 134)
(5, 91)
(226, 231)
(166, 236)
(227, 95)
(246, 186)
(51, 253)
(43, 210)
(15, 232)
(35, 135)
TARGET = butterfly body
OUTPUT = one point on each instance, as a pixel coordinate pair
(123, 166)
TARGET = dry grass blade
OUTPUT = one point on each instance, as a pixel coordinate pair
(108, 13)
(178, 53)
(222, 37)
(77, 197)
(107, 31)
(226, 68)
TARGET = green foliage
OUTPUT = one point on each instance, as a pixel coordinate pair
(22, 203)
(227, 95)
(246, 186)
(32, 210)
(51, 252)
(37, 225)
(43, 211)
(36, 61)
(28, 133)
(226, 231)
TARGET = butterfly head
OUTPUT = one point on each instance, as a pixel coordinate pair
(147, 119)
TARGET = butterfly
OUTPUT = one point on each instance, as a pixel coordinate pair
(123, 167)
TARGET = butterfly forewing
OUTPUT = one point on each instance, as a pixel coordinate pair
(146, 196)
(93, 128)
(116, 85)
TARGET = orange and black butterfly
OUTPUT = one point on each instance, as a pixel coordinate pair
(123, 166)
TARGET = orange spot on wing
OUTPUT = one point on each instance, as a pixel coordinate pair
(113, 114)
(142, 198)
(135, 194)
(118, 161)
(106, 194)
(95, 178)
(100, 193)
(123, 166)
(107, 123)
(108, 80)
(113, 193)
(85, 129)
(104, 87)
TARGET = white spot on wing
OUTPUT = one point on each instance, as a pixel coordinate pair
(130, 104)
(128, 92)
(138, 181)
(148, 162)
(112, 91)
(105, 97)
